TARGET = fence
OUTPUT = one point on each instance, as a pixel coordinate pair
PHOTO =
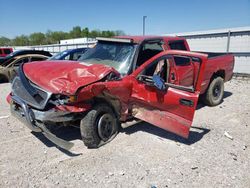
(55, 48)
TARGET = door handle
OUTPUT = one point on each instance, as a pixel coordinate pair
(172, 76)
(186, 102)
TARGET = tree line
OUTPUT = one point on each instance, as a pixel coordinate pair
(54, 37)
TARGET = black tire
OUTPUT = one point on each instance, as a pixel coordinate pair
(99, 126)
(215, 92)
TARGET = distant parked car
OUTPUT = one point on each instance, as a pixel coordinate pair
(12, 56)
(5, 51)
(70, 54)
(8, 70)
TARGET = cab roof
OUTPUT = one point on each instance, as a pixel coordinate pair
(139, 39)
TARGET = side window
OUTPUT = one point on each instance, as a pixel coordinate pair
(177, 71)
(37, 58)
(1, 51)
(148, 50)
(67, 57)
(20, 61)
(177, 45)
(153, 46)
(185, 71)
(181, 61)
(76, 55)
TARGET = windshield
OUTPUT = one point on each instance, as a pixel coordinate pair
(115, 54)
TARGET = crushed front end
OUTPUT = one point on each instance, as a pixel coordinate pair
(36, 107)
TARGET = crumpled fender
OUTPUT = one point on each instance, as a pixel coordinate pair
(115, 92)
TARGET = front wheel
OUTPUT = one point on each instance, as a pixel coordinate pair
(215, 92)
(99, 126)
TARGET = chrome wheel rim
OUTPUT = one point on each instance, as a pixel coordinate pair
(217, 91)
(105, 126)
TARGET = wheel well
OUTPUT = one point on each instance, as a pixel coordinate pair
(219, 73)
(114, 104)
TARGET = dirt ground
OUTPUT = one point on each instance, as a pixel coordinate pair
(140, 156)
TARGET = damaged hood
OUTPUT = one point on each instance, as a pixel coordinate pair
(65, 77)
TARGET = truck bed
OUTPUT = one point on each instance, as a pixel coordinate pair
(214, 54)
(222, 63)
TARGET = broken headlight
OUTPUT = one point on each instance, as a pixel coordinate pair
(64, 99)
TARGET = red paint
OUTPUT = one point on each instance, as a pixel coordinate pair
(132, 97)
(8, 98)
(221, 63)
(4, 50)
(64, 76)
(79, 107)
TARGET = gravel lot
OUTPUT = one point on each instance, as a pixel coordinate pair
(140, 156)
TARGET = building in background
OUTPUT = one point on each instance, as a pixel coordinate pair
(233, 40)
(78, 41)
(64, 45)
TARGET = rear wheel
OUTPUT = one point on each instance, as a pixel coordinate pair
(99, 126)
(215, 92)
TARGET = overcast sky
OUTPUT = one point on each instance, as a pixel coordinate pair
(163, 16)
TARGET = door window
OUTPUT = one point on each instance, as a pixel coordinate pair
(37, 58)
(20, 61)
(67, 57)
(177, 71)
(76, 55)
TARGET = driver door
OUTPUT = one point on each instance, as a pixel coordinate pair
(171, 108)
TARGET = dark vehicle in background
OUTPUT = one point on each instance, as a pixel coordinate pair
(13, 56)
(70, 54)
(5, 51)
(8, 70)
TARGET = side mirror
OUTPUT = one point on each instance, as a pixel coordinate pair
(159, 82)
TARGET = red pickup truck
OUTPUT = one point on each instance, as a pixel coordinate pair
(5, 51)
(120, 81)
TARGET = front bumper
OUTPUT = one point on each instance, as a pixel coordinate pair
(35, 119)
(22, 112)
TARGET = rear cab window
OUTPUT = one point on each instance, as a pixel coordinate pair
(6, 51)
(177, 45)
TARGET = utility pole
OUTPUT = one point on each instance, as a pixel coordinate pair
(143, 24)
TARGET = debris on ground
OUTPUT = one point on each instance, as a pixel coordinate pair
(194, 167)
(4, 117)
(226, 134)
(244, 147)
